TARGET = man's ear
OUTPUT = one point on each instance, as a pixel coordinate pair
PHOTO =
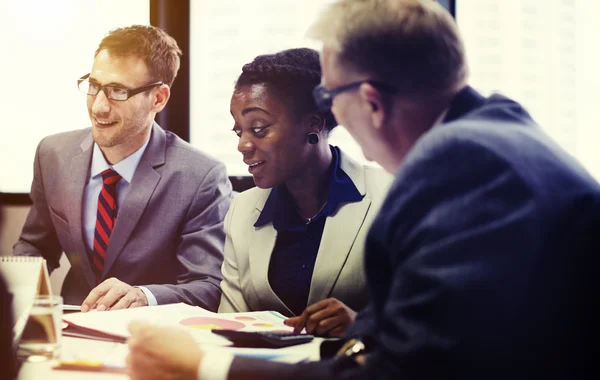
(373, 101)
(161, 97)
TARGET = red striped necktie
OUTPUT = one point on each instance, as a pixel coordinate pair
(105, 219)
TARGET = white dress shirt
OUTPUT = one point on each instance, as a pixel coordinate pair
(216, 366)
(126, 169)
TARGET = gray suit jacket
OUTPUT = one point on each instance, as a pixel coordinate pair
(338, 270)
(169, 231)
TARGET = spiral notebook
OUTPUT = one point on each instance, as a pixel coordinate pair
(26, 278)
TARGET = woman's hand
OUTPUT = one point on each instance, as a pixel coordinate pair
(328, 317)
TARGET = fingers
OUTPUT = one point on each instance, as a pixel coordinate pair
(141, 333)
(135, 297)
(302, 320)
(329, 316)
(311, 309)
(131, 366)
(96, 293)
(337, 332)
(141, 367)
(159, 352)
(111, 297)
(138, 362)
(314, 320)
(292, 321)
(113, 294)
(126, 301)
(326, 325)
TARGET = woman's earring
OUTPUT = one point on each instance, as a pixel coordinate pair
(312, 138)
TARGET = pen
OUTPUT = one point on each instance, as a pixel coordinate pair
(87, 365)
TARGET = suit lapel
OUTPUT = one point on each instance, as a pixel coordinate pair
(139, 192)
(77, 177)
(338, 239)
(262, 242)
(339, 235)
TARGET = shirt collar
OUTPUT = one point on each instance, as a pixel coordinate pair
(441, 118)
(341, 189)
(125, 168)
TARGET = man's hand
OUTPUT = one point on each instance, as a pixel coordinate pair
(328, 317)
(113, 294)
(161, 353)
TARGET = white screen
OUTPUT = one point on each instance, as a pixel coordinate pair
(545, 55)
(47, 45)
(225, 35)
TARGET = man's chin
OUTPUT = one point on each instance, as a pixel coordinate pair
(102, 139)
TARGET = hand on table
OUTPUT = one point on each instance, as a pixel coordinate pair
(328, 317)
(161, 353)
(114, 294)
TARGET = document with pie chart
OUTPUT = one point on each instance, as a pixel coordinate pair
(252, 321)
(112, 325)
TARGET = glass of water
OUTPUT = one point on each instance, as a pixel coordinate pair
(41, 336)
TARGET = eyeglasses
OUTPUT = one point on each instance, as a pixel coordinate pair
(111, 92)
(324, 97)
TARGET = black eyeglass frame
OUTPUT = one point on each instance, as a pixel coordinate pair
(130, 92)
(324, 97)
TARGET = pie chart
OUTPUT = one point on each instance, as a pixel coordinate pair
(207, 323)
(263, 325)
(245, 318)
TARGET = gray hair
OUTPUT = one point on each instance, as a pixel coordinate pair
(412, 44)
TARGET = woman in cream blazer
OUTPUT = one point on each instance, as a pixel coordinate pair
(307, 190)
(338, 272)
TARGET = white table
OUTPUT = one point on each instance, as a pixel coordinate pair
(71, 347)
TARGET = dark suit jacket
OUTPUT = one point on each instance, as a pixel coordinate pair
(481, 261)
(169, 231)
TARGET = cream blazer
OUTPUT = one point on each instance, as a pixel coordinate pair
(338, 271)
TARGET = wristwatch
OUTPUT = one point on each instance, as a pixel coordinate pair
(352, 348)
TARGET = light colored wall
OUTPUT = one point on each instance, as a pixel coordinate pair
(13, 218)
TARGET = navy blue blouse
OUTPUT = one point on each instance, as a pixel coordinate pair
(295, 252)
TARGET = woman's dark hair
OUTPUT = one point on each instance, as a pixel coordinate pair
(294, 73)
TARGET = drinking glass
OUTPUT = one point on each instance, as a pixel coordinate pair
(41, 336)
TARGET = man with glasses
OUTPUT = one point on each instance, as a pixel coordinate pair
(484, 258)
(137, 211)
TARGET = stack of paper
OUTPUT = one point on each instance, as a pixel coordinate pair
(112, 325)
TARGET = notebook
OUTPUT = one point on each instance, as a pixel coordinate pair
(26, 277)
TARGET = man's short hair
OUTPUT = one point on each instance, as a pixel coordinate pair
(412, 44)
(153, 45)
